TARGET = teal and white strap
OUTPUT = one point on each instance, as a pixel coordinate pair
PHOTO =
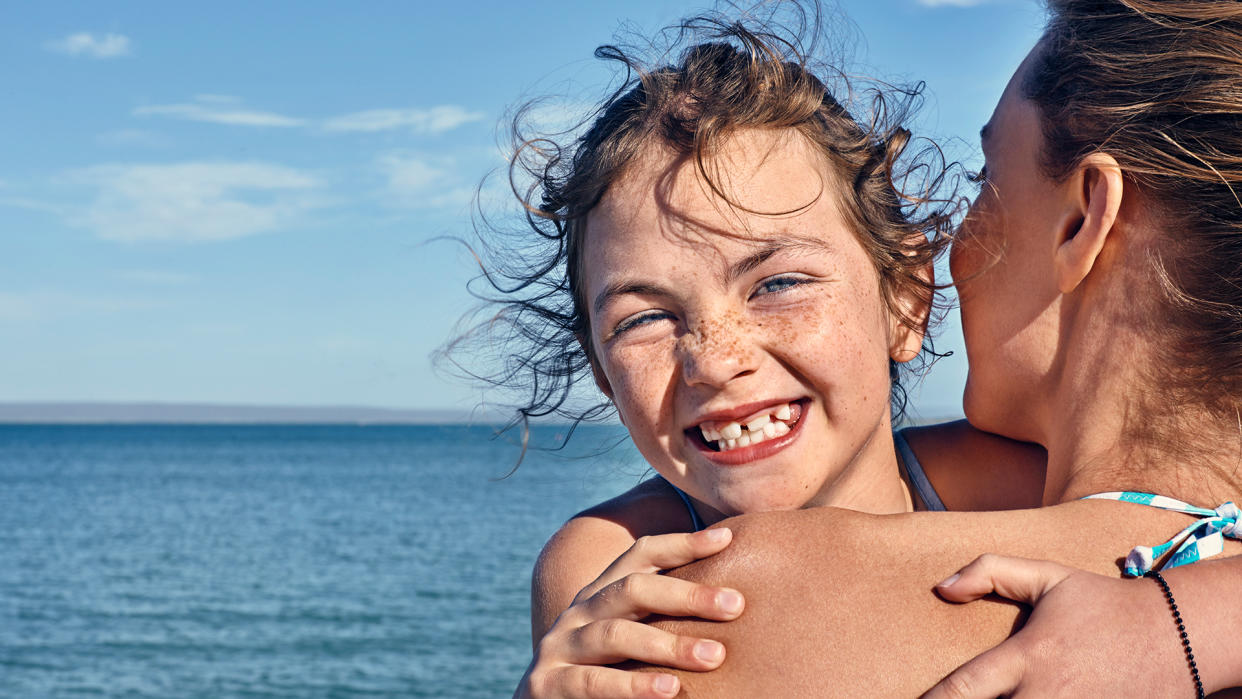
(1202, 539)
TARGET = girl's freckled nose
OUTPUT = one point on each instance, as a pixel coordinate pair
(715, 352)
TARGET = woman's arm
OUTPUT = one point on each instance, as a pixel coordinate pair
(1085, 619)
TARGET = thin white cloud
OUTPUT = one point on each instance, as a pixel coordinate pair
(125, 138)
(212, 113)
(951, 3)
(415, 182)
(226, 109)
(91, 46)
(194, 201)
(44, 303)
(434, 120)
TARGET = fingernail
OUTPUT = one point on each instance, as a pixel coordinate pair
(665, 684)
(718, 534)
(729, 602)
(949, 580)
(708, 651)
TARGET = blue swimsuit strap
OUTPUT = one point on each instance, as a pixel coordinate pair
(1204, 538)
(915, 475)
(695, 520)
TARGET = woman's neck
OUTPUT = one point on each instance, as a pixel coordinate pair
(1105, 435)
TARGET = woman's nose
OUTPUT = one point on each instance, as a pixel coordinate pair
(715, 352)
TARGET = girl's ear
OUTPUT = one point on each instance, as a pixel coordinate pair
(908, 327)
(1096, 187)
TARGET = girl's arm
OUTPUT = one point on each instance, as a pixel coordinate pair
(582, 620)
(1086, 620)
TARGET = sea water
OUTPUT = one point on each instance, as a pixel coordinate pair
(280, 561)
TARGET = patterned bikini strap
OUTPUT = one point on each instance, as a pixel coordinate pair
(1202, 539)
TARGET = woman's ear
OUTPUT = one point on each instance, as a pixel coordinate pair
(1096, 187)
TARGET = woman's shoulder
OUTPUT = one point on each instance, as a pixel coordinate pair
(592, 539)
(973, 470)
(849, 598)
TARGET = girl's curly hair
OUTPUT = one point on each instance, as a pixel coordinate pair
(734, 74)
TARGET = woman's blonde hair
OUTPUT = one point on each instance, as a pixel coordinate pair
(1157, 84)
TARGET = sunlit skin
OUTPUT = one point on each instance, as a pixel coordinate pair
(702, 311)
(1001, 264)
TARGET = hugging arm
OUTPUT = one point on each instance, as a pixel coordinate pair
(1131, 630)
(600, 624)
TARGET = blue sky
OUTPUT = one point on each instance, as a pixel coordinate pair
(236, 202)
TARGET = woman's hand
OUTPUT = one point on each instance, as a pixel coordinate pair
(1088, 635)
(603, 625)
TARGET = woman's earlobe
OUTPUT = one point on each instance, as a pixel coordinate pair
(1098, 188)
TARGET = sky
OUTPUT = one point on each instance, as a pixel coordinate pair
(246, 203)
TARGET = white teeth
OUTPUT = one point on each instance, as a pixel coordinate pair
(731, 435)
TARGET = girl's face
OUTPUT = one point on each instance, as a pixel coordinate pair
(746, 353)
(1002, 263)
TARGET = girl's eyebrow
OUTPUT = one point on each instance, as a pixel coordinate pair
(622, 288)
(750, 262)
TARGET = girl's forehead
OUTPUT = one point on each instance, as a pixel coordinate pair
(760, 195)
(754, 183)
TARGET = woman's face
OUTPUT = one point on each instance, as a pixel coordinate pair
(747, 354)
(1002, 266)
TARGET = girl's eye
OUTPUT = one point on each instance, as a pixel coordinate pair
(773, 285)
(639, 319)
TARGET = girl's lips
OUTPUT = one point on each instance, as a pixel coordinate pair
(743, 455)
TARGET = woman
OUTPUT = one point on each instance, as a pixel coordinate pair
(1101, 306)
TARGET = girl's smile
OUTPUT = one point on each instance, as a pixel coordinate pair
(745, 341)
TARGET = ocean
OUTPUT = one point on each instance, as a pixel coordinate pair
(280, 561)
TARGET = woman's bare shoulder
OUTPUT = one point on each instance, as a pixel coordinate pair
(592, 539)
(839, 600)
(974, 470)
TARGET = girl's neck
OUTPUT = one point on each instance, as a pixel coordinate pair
(872, 482)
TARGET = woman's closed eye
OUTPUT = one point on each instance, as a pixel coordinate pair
(979, 177)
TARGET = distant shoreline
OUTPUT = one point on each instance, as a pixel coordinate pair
(103, 413)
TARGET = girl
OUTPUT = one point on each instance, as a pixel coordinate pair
(734, 264)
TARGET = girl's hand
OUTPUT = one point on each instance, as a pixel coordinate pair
(602, 625)
(1085, 636)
